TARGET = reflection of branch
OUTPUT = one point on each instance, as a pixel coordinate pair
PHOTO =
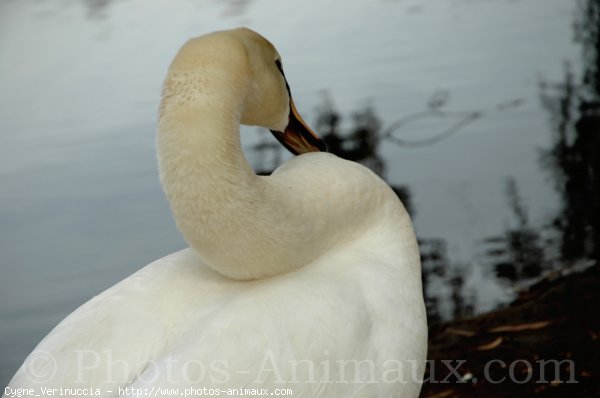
(437, 101)
(467, 118)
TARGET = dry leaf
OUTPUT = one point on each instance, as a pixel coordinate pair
(520, 327)
(442, 394)
(460, 332)
(490, 346)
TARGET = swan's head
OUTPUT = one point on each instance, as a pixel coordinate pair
(271, 98)
(251, 71)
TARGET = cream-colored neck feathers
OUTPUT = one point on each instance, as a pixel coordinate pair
(242, 225)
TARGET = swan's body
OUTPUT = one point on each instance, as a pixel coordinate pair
(308, 279)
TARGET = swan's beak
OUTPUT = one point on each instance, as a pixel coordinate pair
(298, 137)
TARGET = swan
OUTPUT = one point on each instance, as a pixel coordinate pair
(305, 282)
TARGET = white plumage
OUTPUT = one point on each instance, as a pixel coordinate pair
(308, 279)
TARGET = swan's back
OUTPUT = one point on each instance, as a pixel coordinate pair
(322, 332)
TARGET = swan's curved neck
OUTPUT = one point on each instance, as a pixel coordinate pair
(235, 220)
(202, 168)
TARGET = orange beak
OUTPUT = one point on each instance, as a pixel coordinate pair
(297, 137)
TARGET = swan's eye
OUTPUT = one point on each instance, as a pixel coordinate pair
(278, 63)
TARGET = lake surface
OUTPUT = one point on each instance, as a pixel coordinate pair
(80, 202)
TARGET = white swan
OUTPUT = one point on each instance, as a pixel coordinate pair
(307, 280)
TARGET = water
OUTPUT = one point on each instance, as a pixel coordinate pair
(80, 203)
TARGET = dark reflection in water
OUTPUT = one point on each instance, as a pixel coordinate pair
(574, 158)
(97, 9)
(520, 249)
(236, 7)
